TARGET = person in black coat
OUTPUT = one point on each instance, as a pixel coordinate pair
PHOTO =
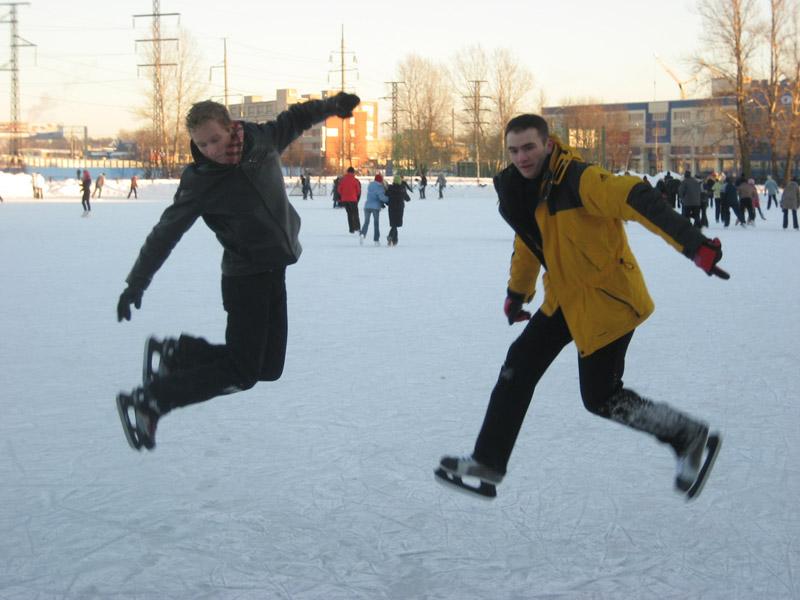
(397, 193)
(236, 185)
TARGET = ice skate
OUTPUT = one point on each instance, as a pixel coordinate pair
(695, 461)
(165, 350)
(361, 239)
(139, 414)
(452, 470)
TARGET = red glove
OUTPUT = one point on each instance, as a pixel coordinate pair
(708, 255)
(513, 308)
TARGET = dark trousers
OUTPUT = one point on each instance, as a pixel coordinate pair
(693, 213)
(770, 199)
(528, 358)
(746, 206)
(254, 349)
(392, 237)
(727, 209)
(422, 192)
(85, 202)
(703, 215)
(353, 222)
(786, 217)
(717, 209)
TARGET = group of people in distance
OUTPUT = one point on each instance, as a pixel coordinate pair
(567, 220)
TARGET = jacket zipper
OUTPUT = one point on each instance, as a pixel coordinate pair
(620, 300)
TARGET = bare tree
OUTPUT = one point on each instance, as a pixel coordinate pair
(769, 100)
(182, 85)
(470, 74)
(510, 85)
(733, 33)
(492, 88)
(425, 103)
(791, 125)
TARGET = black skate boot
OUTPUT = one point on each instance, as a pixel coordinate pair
(139, 414)
(695, 448)
(695, 461)
(689, 457)
(452, 470)
(166, 351)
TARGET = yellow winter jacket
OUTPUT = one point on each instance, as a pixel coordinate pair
(570, 220)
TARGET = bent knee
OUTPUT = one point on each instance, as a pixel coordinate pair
(272, 374)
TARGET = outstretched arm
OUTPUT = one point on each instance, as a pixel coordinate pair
(291, 123)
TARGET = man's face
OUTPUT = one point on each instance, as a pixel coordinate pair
(528, 151)
(212, 139)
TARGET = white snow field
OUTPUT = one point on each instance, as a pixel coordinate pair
(320, 485)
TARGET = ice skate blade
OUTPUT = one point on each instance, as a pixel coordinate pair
(485, 491)
(127, 427)
(152, 347)
(713, 445)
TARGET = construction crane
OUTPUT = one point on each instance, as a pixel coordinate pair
(672, 74)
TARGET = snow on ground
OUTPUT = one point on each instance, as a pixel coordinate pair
(320, 485)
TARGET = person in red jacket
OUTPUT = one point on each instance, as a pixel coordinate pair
(349, 195)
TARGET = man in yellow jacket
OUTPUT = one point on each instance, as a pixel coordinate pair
(568, 219)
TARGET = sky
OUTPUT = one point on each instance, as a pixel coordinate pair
(83, 70)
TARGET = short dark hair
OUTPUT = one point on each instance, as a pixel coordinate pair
(207, 110)
(351, 170)
(528, 121)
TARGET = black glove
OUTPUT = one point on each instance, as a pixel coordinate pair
(513, 308)
(126, 298)
(344, 104)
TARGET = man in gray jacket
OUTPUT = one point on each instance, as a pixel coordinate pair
(236, 185)
(689, 194)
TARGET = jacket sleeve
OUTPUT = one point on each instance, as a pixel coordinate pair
(174, 222)
(524, 270)
(627, 198)
(291, 123)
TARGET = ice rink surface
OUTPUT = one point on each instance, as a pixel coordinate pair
(320, 485)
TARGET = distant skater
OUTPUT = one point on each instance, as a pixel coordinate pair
(134, 187)
(86, 189)
(98, 185)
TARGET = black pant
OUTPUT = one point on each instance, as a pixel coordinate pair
(746, 205)
(85, 202)
(770, 199)
(528, 358)
(254, 349)
(692, 213)
(392, 237)
(786, 217)
(353, 222)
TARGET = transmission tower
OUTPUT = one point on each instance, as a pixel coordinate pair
(474, 108)
(158, 88)
(343, 70)
(13, 66)
(396, 110)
